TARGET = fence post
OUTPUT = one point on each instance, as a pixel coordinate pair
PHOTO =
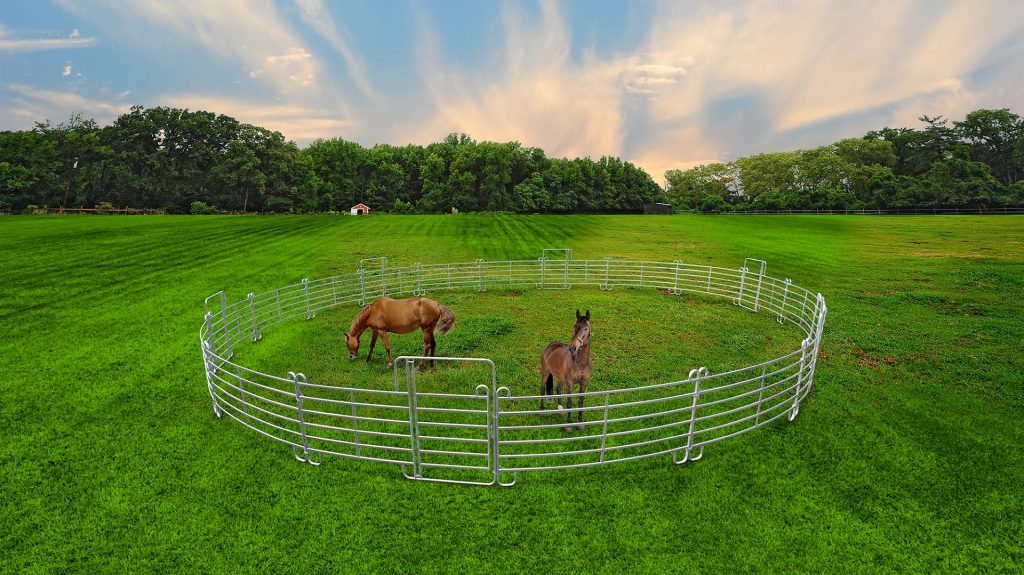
(414, 437)
(256, 333)
(607, 264)
(480, 275)
(696, 375)
(224, 319)
(743, 279)
(362, 286)
(208, 365)
(757, 295)
(298, 379)
(419, 280)
(799, 379)
(277, 298)
(781, 318)
(675, 283)
(209, 330)
(604, 426)
(305, 286)
(241, 390)
(355, 420)
(498, 394)
(820, 316)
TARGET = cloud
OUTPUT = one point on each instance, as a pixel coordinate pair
(537, 93)
(660, 70)
(294, 55)
(316, 16)
(67, 70)
(13, 45)
(255, 34)
(296, 122)
(32, 104)
(768, 75)
(704, 83)
(648, 79)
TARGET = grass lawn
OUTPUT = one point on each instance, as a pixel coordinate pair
(906, 457)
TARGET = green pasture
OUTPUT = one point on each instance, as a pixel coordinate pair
(905, 458)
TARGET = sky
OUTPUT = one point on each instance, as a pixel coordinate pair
(662, 84)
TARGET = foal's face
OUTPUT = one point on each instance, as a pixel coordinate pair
(353, 345)
(580, 332)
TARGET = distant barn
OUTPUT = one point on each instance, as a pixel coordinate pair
(658, 208)
(360, 210)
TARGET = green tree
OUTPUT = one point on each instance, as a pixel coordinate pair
(997, 139)
(240, 176)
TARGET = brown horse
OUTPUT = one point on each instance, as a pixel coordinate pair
(570, 365)
(400, 316)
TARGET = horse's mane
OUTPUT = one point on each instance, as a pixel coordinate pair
(360, 317)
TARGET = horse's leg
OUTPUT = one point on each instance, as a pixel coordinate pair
(433, 348)
(579, 404)
(387, 346)
(373, 342)
(568, 406)
(426, 349)
(545, 383)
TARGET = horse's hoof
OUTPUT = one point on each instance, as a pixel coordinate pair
(391, 365)
(568, 429)
(560, 408)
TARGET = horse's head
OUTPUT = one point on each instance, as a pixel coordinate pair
(580, 332)
(353, 345)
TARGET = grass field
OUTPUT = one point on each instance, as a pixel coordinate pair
(906, 457)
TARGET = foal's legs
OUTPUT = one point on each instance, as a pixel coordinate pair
(546, 385)
(579, 405)
(568, 406)
(373, 342)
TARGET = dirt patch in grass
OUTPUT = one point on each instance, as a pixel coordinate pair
(869, 361)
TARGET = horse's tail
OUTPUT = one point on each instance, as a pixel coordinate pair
(446, 321)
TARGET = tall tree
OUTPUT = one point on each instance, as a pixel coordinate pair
(997, 139)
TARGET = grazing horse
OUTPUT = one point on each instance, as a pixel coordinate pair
(400, 316)
(570, 365)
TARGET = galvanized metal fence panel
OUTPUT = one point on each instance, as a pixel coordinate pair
(488, 435)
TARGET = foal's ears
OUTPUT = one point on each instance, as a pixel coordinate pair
(586, 316)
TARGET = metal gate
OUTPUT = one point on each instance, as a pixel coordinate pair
(451, 434)
(749, 294)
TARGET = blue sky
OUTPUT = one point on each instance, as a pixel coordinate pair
(662, 84)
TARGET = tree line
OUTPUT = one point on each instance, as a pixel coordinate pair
(977, 162)
(194, 161)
